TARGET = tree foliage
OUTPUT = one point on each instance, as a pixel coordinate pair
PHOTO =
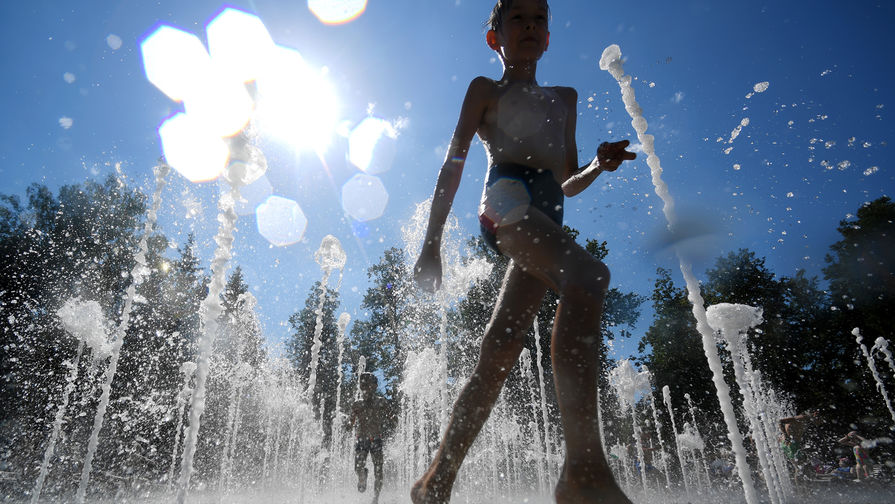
(80, 243)
(382, 334)
(300, 351)
(804, 348)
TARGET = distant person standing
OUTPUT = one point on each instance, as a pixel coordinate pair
(369, 414)
(863, 464)
(792, 434)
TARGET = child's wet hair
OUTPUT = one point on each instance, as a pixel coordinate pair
(495, 20)
(369, 380)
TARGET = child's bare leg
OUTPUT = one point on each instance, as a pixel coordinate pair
(581, 282)
(360, 468)
(586, 475)
(518, 302)
(377, 458)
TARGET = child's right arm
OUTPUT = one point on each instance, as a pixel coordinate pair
(427, 271)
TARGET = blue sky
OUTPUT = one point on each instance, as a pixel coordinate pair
(815, 148)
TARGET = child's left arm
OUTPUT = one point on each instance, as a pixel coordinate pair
(609, 154)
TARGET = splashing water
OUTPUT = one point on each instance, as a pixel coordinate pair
(539, 355)
(628, 384)
(733, 321)
(186, 369)
(137, 274)
(361, 369)
(244, 324)
(84, 320)
(883, 346)
(57, 423)
(658, 424)
(872, 366)
(210, 313)
(611, 62)
(666, 397)
(342, 323)
(689, 438)
(529, 379)
(329, 257)
(695, 425)
(457, 276)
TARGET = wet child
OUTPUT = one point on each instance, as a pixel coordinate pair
(369, 413)
(863, 464)
(529, 135)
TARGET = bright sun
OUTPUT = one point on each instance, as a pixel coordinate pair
(295, 102)
(291, 101)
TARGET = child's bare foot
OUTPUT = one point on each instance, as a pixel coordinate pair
(428, 490)
(590, 489)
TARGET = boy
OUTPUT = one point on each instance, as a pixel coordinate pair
(369, 413)
(529, 134)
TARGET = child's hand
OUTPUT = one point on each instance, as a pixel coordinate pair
(611, 154)
(427, 272)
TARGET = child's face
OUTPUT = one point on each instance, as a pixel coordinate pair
(523, 35)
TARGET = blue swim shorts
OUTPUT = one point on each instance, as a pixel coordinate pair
(510, 190)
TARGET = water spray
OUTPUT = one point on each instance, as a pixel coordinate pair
(611, 62)
(137, 274)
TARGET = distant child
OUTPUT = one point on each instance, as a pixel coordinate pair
(863, 464)
(792, 441)
(529, 135)
(369, 413)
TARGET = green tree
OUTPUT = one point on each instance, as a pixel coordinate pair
(861, 274)
(241, 329)
(388, 312)
(53, 248)
(672, 348)
(861, 270)
(299, 351)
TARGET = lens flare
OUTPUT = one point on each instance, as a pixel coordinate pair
(288, 99)
(224, 106)
(191, 149)
(337, 11)
(177, 63)
(171, 58)
(364, 197)
(281, 221)
(372, 145)
(237, 42)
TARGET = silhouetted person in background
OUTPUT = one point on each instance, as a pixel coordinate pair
(369, 414)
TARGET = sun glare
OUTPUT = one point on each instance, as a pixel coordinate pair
(296, 103)
(337, 11)
(290, 100)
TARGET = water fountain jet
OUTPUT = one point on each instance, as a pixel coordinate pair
(611, 62)
(137, 274)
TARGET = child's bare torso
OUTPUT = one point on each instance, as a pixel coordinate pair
(370, 413)
(526, 124)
